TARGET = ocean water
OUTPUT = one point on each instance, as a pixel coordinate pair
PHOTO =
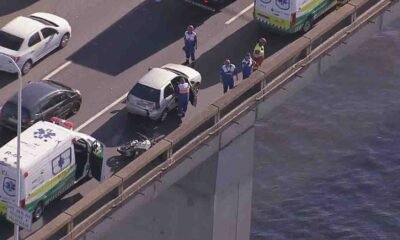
(328, 160)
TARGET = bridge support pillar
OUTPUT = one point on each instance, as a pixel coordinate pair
(210, 202)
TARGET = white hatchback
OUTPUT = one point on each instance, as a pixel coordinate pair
(28, 39)
(154, 95)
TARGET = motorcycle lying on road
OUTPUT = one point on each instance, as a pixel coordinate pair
(138, 146)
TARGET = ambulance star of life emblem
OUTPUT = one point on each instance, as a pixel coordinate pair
(44, 134)
(9, 186)
(283, 4)
(61, 162)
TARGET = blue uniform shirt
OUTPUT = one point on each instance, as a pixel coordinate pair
(247, 66)
(190, 39)
(227, 72)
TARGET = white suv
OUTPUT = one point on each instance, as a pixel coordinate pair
(154, 94)
(28, 39)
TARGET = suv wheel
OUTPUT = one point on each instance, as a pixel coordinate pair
(75, 108)
(38, 211)
(26, 67)
(64, 40)
(307, 25)
(164, 115)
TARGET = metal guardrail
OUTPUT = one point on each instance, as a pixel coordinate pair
(276, 71)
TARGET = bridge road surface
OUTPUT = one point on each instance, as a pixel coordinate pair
(112, 46)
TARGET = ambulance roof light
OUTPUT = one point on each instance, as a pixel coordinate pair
(62, 122)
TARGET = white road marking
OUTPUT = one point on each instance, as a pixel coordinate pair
(240, 14)
(101, 112)
(90, 120)
(57, 70)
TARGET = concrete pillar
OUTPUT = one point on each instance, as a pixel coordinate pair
(233, 192)
(212, 202)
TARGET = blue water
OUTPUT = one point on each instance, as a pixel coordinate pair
(328, 160)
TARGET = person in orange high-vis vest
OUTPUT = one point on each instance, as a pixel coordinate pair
(259, 51)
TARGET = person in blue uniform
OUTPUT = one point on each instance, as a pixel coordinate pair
(227, 72)
(183, 97)
(247, 66)
(190, 40)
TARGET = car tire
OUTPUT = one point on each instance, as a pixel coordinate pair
(64, 40)
(196, 87)
(26, 67)
(307, 25)
(75, 108)
(163, 116)
(38, 212)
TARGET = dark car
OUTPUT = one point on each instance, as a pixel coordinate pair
(41, 100)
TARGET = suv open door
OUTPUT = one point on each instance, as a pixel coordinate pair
(192, 94)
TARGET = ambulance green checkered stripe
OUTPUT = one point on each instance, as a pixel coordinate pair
(321, 7)
(44, 188)
(299, 22)
(61, 186)
(3, 208)
(285, 25)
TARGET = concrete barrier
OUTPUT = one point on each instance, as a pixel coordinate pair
(285, 69)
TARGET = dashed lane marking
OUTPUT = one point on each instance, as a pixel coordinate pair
(239, 14)
(90, 120)
(57, 70)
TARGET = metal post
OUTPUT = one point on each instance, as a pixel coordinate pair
(10, 60)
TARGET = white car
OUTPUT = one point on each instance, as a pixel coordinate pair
(154, 95)
(28, 39)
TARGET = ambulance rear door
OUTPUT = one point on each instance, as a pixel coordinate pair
(276, 13)
(8, 187)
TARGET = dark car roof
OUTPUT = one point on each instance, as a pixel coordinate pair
(35, 91)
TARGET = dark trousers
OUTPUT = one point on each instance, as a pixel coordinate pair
(259, 60)
(246, 72)
(182, 104)
(228, 83)
(189, 53)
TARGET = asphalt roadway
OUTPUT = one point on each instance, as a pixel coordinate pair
(112, 46)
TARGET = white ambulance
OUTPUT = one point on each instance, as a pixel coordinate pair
(53, 158)
(290, 16)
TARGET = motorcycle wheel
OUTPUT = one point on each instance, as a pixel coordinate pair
(126, 151)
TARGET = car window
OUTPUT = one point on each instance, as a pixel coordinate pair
(52, 101)
(46, 32)
(168, 91)
(34, 39)
(10, 110)
(10, 41)
(146, 93)
(42, 20)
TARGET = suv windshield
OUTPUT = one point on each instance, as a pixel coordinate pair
(10, 41)
(146, 93)
(10, 111)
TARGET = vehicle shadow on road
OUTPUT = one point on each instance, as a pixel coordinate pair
(5, 136)
(10, 6)
(123, 127)
(235, 48)
(7, 78)
(147, 29)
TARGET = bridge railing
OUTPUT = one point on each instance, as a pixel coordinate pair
(276, 71)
